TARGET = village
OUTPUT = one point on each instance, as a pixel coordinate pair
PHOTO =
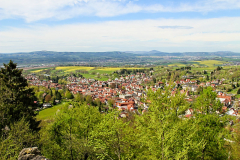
(128, 91)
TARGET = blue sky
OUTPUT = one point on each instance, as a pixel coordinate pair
(119, 25)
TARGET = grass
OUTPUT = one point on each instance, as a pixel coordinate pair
(50, 112)
(102, 78)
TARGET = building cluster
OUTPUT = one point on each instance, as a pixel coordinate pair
(127, 91)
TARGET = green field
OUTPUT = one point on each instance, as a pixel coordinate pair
(50, 112)
(210, 63)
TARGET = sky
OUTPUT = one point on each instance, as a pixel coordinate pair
(119, 25)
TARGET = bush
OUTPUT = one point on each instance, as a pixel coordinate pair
(229, 89)
(238, 92)
(69, 95)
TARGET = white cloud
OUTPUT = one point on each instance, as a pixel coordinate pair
(186, 35)
(34, 10)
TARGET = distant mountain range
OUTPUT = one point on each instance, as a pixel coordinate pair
(201, 54)
(46, 57)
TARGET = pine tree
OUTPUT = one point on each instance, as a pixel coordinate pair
(16, 100)
(58, 95)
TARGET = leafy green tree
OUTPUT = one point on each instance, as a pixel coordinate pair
(88, 99)
(68, 137)
(51, 93)
(15, 138)
(154, 80)
(206, 102)
(235, 143)
(62, 93)
(48, 98)
(238, 92)
(209, 126)
(68, 95)
(219, 68)
(111, 102)
(114, 138)
(40, 95)
(98, 104)
(228, 89)
(79, 97)
(209, 133)
(58, 95)
(16, 100)
(207, 78)
(53, 101)
(162, 132)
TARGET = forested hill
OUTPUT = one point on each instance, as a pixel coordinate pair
(39, 57)
(50, 57)
(181, 54)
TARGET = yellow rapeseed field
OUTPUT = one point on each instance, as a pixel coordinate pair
(177, 64)
(210, 63)
(92, 69)
(36, 71)
(74, 68)
(115, 69)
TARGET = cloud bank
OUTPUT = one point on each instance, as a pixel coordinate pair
(34, 10)
(175, 27)
(162, 34)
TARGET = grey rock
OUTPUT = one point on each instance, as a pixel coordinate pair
(32, 153)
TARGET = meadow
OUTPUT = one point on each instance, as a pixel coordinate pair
(50, 112)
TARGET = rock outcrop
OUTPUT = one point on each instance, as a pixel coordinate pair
(31, 154)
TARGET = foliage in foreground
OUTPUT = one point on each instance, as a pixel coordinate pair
(83, 133)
